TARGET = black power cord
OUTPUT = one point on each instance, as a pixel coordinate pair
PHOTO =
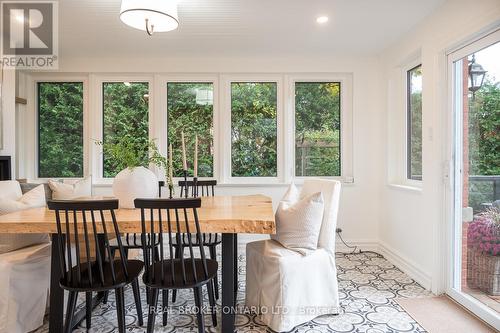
(338, 231)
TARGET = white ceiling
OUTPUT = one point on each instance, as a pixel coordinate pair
(92, 28)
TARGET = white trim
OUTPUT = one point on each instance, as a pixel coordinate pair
(346, 123)
(453, 178)
(158, 127)
(408, 266)
(96, 114)
(225, 128)
(398, 133)
(32, 126)
(162, 91)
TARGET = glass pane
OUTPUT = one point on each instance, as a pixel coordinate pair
(478, 185)
(125, 108)
(190, 109)
(253, 129)
(317, 129)
(415, 123)
(60, 129)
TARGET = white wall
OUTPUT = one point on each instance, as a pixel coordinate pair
(413, 221)
(9, 117)
(359, 212)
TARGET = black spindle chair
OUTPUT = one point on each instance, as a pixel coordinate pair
(202, 188)
(78, 223)
(166, 218)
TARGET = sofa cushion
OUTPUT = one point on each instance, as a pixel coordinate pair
(31, 199)
(69, 190)
(26, 187)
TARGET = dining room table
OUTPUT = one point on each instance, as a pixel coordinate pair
(227, 215)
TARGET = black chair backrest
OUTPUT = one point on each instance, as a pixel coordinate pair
(204, 188)
(174, 214)
(79, 223)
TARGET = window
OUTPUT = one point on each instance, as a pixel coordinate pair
(190, 110)
(60, 129)
(125, 112)
(254, 129)
(317, 129)
(414, 123)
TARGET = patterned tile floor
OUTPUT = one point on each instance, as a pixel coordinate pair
(369, 285)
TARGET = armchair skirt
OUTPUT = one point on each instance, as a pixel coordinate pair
(287, 288)
(24, 287)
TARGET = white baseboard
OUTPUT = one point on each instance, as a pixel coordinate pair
(406, 265)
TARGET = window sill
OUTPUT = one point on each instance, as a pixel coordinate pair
(404, 187)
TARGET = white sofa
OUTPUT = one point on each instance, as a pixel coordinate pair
(24, 275)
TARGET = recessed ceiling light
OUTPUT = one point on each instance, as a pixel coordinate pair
(322, 19)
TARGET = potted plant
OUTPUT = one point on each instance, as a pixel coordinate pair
(135, 180)
(483, 252)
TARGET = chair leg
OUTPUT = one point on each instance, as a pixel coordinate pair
(213, 255)
(106, 293)
(152, 310)
(73, 295)
(199, 304)
(211, 299)
(179, 251)
(165, 306)
(137, 298)
(88, 309)
(120, 309)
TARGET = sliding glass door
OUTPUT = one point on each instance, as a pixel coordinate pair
(474, 265)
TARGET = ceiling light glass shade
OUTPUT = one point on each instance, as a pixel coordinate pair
(150, 15)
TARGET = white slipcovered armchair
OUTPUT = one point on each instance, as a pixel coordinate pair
(287, 288)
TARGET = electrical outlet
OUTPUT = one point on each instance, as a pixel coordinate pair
(338, 230)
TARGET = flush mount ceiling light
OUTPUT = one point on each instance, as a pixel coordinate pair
(322, 19)
(150, 15)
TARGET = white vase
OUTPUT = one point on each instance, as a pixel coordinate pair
(130, 184)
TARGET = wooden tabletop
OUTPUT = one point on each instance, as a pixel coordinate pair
(251, 214)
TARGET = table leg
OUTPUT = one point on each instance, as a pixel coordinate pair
(56, 292)
(235, 265)
(228, 295)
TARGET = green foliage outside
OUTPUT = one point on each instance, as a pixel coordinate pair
(60, 126)
(317, 129)
(193, 117)
(415, 171)
(254, 129)
(484, 143)
(125, 117)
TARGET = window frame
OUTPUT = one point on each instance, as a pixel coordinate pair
(161, 82)
(43, 78)
(346, 124)
(285, 81)
(408, 180)
(97, 120)
(225, 128)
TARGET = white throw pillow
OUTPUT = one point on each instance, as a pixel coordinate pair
(69, 190)
(298, 223)
(31, 199)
